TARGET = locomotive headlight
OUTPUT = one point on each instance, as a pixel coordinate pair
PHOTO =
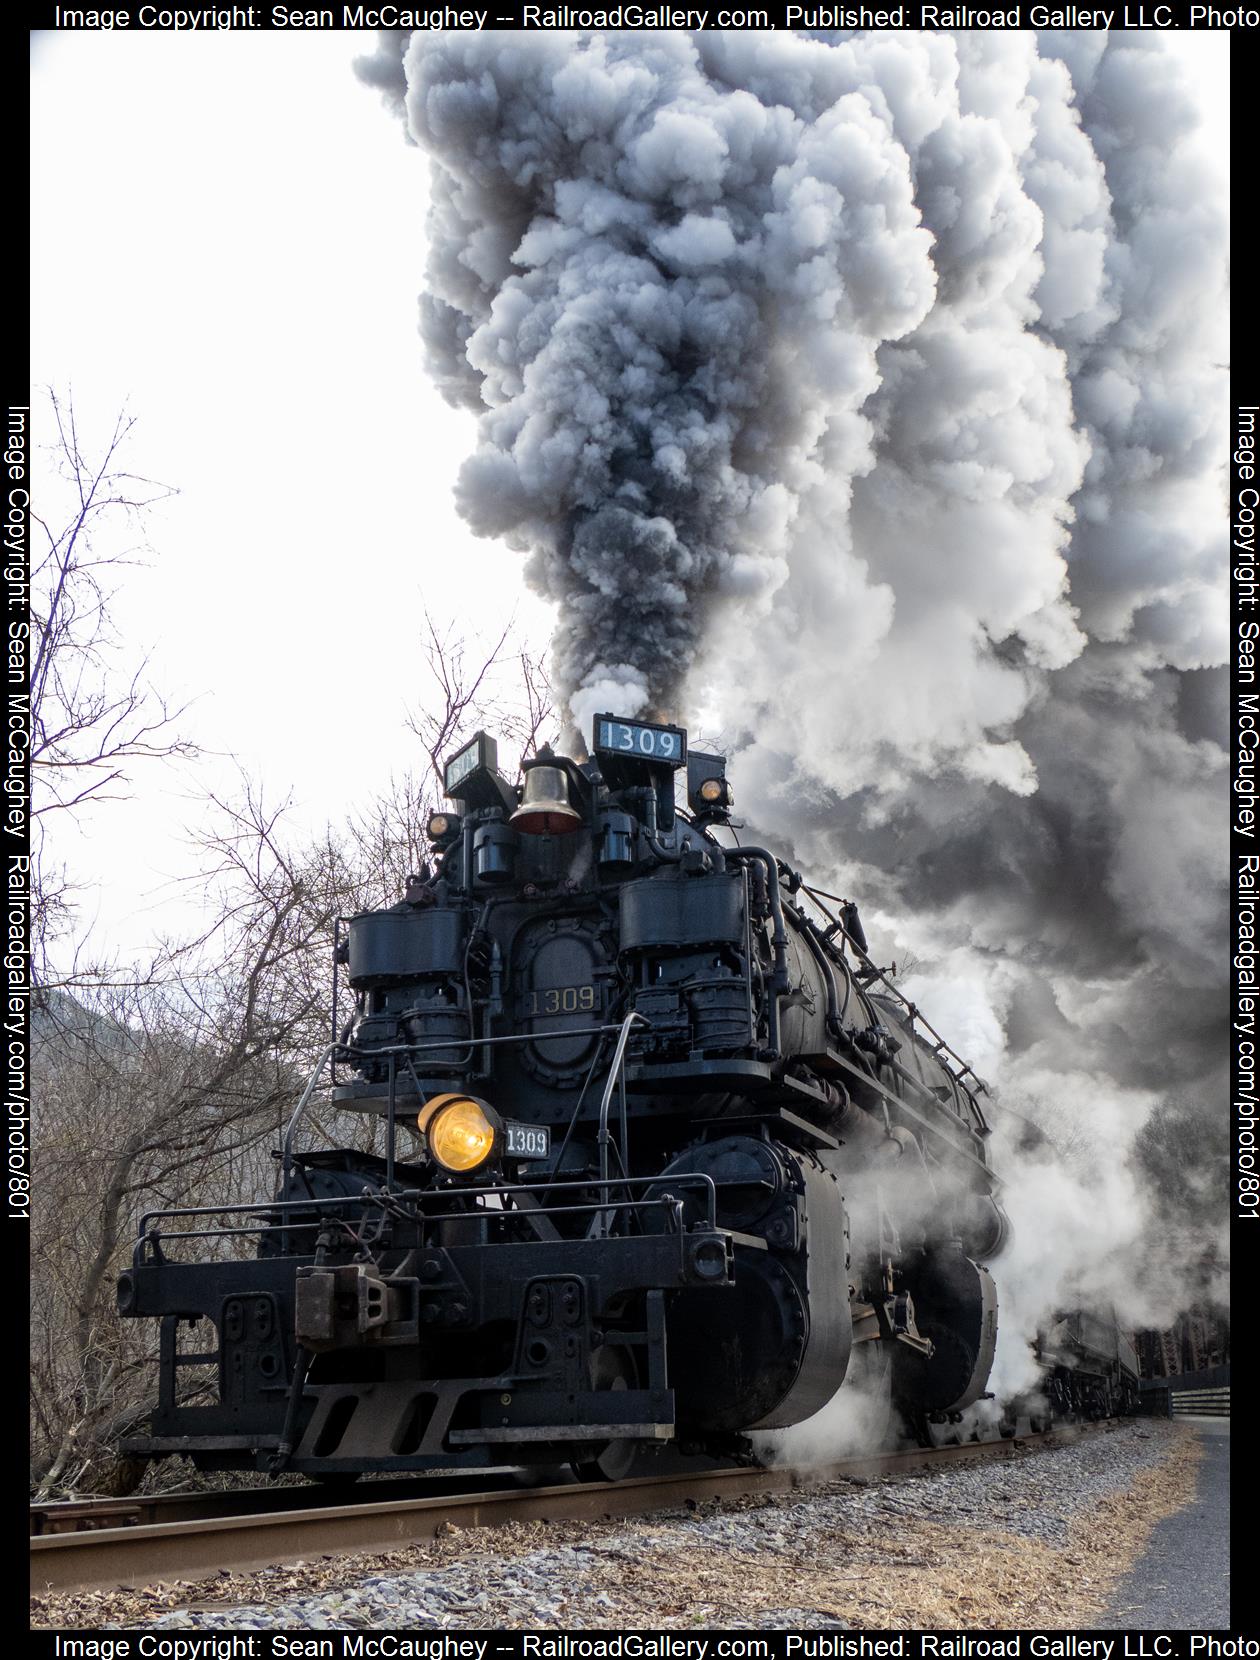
(462, 1132)
(713, 790)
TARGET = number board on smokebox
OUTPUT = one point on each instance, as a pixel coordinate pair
(640, 741)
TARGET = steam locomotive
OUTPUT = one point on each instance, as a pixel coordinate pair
(664, 1152)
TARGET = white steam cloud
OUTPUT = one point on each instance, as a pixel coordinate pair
(859, 396)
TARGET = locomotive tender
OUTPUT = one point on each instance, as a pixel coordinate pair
(664, 1151)
(1090, 1368)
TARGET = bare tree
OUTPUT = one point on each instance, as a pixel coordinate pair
(172, 1088)
(169, 1113)
(463, 693)
(168, 1091)
(93, 714)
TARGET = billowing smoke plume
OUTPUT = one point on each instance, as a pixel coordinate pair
(665, 295)
(859, 397)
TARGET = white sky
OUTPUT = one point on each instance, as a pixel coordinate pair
(227, 235)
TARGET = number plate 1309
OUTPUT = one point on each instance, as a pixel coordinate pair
(527, 1141)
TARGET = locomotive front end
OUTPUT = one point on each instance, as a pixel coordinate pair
(657, 1157)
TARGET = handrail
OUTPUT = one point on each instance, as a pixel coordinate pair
(592, 1208)
(462, 1043)
(614, 1072)
(270, 1211)
(267, 1207)
(296, 1115)
(899, 996)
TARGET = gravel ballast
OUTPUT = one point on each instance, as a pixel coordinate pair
(1036, 1540)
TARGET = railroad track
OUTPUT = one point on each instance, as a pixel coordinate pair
(93, 1544)
(59, 1516)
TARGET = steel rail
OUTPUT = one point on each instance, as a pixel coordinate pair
(246, 1538)
(59, 1516)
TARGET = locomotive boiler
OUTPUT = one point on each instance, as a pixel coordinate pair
(664, 1153)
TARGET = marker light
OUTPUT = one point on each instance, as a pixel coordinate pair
(442, 826)
(462, 1132)
(709, 793)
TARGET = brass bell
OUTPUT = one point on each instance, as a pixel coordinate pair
(544, 808)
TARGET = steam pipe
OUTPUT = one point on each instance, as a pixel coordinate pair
(776, 909)
(779, 984)
(670, 855)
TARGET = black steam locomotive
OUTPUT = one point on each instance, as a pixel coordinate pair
(663, 1151)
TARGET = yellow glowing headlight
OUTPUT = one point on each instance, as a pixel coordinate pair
(462, 1132)
(713, 789)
